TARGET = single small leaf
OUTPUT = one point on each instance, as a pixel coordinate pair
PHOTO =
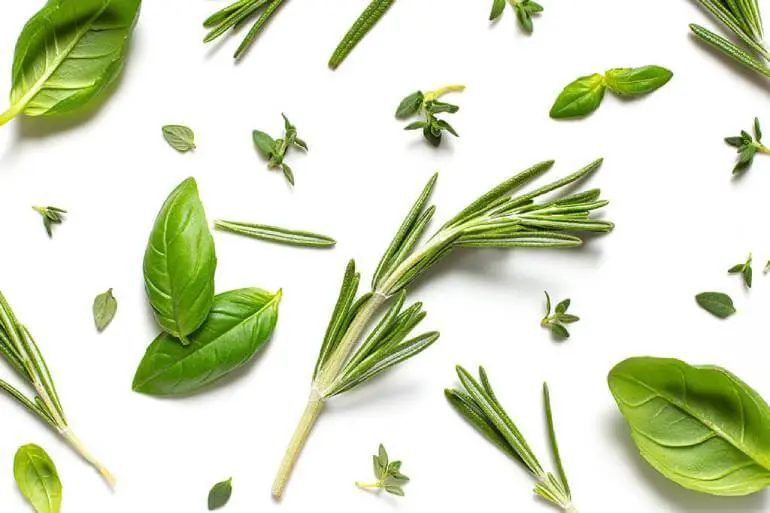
(558, 330)
(579, 98)
(525, 19)
(382, 454)
(220, 494)
(568, 318)
(288, 173)
(300, 144)
(415, 125)
(737, 268)
(37, 479)
(105, 306)
(547, 304)
(736, 142)
(179, 137)
(562, 307)
(264, 143)
(637, 81)
(432, 136)
(394, 490)
(748, 275)
(444, 125)
(757, 130)
(533, 7)
(716, 303)
(497, 9)
(410, 105)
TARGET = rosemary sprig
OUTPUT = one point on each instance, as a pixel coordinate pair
(51, 216)
(237, 14)
(276, 234)
(743, 19)
(19, 349)
(365, 22)
(479, 406)
(747, 147)
(497, 219)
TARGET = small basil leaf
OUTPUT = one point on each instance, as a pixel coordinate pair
(38, 481)
(220, 494)
(580, 98)
(410, 105)
(105, 306)
(179, 263)
(264, 143)
(179, 137)
(239, 325)
(716, 303)
(497, 9)
(637, 81)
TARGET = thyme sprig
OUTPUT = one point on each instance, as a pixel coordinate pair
(428, 106)
(555, 321)
(524, 9)
(274, 150)
(387, 474)
(478, 404)
(747, 147)
(237, 14)
(20, 350)
(743, 19)
(499, 219)
(51, 216)
(745, 270)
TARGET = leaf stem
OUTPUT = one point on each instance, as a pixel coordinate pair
(81, 449)
(13, 111)
(438, 93)
(369, 486)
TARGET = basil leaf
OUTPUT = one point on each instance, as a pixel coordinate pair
(220, 494)
(240, 323)
(105, 306)
(410, 105)
(179, 263)
(701, 427)
(716, 303)
(38, 481)
(68, 54)
(637, 81)
(580, 98)
(179, 137)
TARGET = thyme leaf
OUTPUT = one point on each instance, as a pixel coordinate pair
(744, 270)
(428, 106)
(388, 475)
(556, 321)
(274, 150)
(748, 147)
(51, 216)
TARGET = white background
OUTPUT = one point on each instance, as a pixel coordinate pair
(681, 222)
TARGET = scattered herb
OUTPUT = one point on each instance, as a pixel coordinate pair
(747, 147)
(179, 263)
(743, 269)
(584, 95)
(105, 306)
(236, 15)
(524, 9)
(560, 317)
(68, 54)
(51, 216)
(701, 427)
(274, 150)
(37, 479)
(478, 405)
(19, 349)
(179, 137)
(427, 105)
(276, 234)
(239, 325)
(716, 303)
(495, 219)
(744, 20)
(388, 474)
(365, 22)
(220, 494)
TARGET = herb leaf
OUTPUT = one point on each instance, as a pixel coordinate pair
(387, 474)
(428, 105)
(51, 216)
(274, 150)
(179, 137)
(580, 98)
(747, 147)
(276, 234)
(716, 303)
(220, 494)
(365, 22)
(637, 81)
(744, 270)
(237, 14)
(105, 306)
(556, 321)
(37, 478)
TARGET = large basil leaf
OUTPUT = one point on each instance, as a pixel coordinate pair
(580, 98)
(637, 81)
(38, 481)
(701, 427)
(240, 323)
(68, 54)
(179, 263)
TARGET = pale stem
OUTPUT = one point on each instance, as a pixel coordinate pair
(763, 149)
(369, 486)
(438, 93)
(81, 449)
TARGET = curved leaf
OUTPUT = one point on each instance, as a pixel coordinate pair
(701, 427)
(179, 263)
(637, 81)
(240, 323)
(580, 98)
(38, 481)
(68, 54)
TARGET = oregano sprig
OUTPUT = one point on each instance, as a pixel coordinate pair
(51, 216)
(238, 14)
(478, 404)
(274, 150)
(555, 321)
(427, 105)
(747, 147)
(524, 10)
(744, 270)
(20, 350)
(387, 474)
(357, 346)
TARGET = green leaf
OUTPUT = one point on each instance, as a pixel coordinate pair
(394, 490)
(757, 130)
(382, 456)
(179, 263)
(525, 19)
(446, 126)
(365, 22)
(264, 143)
(737, 268)
(437, 107)
(277, 234)
(497, 9)
(68, 54)
(580, 98)
(558, 330)
(179, 137)
(701, 427)
(51, 216)
(562, 307)
(716, 303)
(730, 49)
(105, 306)
(432, 135)
(736, 142)
(220, 494)
(37, 479)
(240, 323)
(410, 105)
(415, 125)
(287, 173)
(637, 81)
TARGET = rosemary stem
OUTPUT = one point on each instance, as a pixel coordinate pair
(313, 409)
(81, 449)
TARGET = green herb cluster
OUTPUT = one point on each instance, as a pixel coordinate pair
(556, 321)
(524, 9)
(427, 105)
(51, 216)
(747, 147)
(744, 270)
(388, 474)
(274, 150)
(238, 14)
